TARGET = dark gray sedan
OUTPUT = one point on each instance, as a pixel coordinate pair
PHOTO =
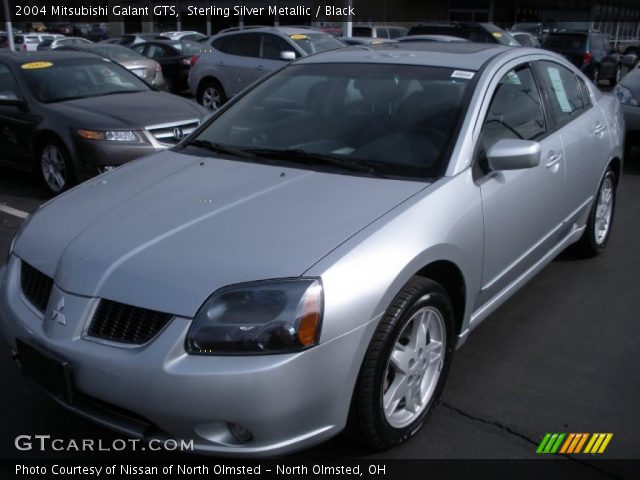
(69, 116)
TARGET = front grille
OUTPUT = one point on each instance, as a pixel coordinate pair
(122, 323)
(36, 286)
(169, 133)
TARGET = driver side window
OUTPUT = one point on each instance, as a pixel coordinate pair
(516, 110)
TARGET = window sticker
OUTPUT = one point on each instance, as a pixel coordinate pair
(35, 65)
(497, 34)
(298, 36)
(558, 90)
(462, 74)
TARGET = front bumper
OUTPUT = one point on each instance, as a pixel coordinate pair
(287, 402)
(94, 155)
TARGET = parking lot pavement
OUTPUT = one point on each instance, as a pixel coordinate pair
(562, 355)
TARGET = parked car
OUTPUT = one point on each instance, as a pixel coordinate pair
(474, 32)
(378, 31)
(431, 38)
(590, 51)
(28, 42)
(236, 58)
(526, 39)
(312, 256)
(53, 43)
(184, 35)
(536, 29)
(68, 116)
(131, 39)
(364, 40)
(147, 69)
(175, 57)
(628, 92)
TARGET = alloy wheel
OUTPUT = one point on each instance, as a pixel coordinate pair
(414, 367)
(54, 170)
(211, 98)
(604, 211)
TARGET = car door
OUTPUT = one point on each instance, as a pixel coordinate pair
(582, 127)
(522, 208)
(16, 124)
(241, 60)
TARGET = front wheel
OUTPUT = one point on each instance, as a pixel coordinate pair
(405, 367)
(598, 230)
(211, 95)
(54, 166)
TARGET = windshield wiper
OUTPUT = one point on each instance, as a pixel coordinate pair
(302, 156)
(222, 149)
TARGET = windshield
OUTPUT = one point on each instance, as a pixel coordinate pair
(396, 120)
(68, 79)
(316, 42)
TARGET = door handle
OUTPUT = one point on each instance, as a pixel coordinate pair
(553, 159)
(599, 129)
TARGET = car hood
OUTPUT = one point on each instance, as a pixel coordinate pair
(166, 231)
(128, 110)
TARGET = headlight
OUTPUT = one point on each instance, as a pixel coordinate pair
(625, 95)
(276, 316)
(109, 135)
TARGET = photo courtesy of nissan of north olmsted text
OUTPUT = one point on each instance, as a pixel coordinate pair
(320, 238)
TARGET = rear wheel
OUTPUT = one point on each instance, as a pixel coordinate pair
(211, 95)
(405, 367)
(598, 230)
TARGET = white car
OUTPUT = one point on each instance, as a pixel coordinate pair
(28, 42)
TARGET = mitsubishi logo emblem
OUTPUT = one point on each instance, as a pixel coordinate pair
(178, 134)
(58, 313)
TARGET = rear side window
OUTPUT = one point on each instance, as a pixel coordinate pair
(243, 45)
(381, 32)
(516, 109)
(586, 95)
(565, 96)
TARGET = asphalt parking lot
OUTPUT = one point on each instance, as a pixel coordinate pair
(562, 355)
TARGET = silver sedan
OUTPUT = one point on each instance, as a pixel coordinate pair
(312, 256)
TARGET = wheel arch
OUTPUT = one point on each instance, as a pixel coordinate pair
(449, 275)
(210, 78)
(616, 166)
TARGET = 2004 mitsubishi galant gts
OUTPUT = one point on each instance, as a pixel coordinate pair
(310, 258)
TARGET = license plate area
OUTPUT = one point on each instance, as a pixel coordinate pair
(48, 370)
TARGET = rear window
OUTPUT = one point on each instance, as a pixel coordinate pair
(572, 43)
(33, 40)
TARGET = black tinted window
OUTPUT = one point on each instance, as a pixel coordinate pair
(7, 81)
(244, 45)
(272, 46)
(516, 109)
(565, 95)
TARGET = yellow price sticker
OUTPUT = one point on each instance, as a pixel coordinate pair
(497, 34)
(298, 36)
(35, 65)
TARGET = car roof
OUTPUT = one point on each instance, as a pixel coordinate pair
(45, 56)
(283, 30)
(467, 55)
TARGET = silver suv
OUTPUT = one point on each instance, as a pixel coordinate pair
(235, 58)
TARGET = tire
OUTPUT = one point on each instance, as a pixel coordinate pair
(598, 230)
(211, 95)
(54, 166)
(425, 366)
(617, 76)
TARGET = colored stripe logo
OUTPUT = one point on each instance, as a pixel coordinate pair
(572, 443)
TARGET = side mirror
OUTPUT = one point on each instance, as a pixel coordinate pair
(630, 60)
(513, 154)
(288, 55)
(10, 99)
